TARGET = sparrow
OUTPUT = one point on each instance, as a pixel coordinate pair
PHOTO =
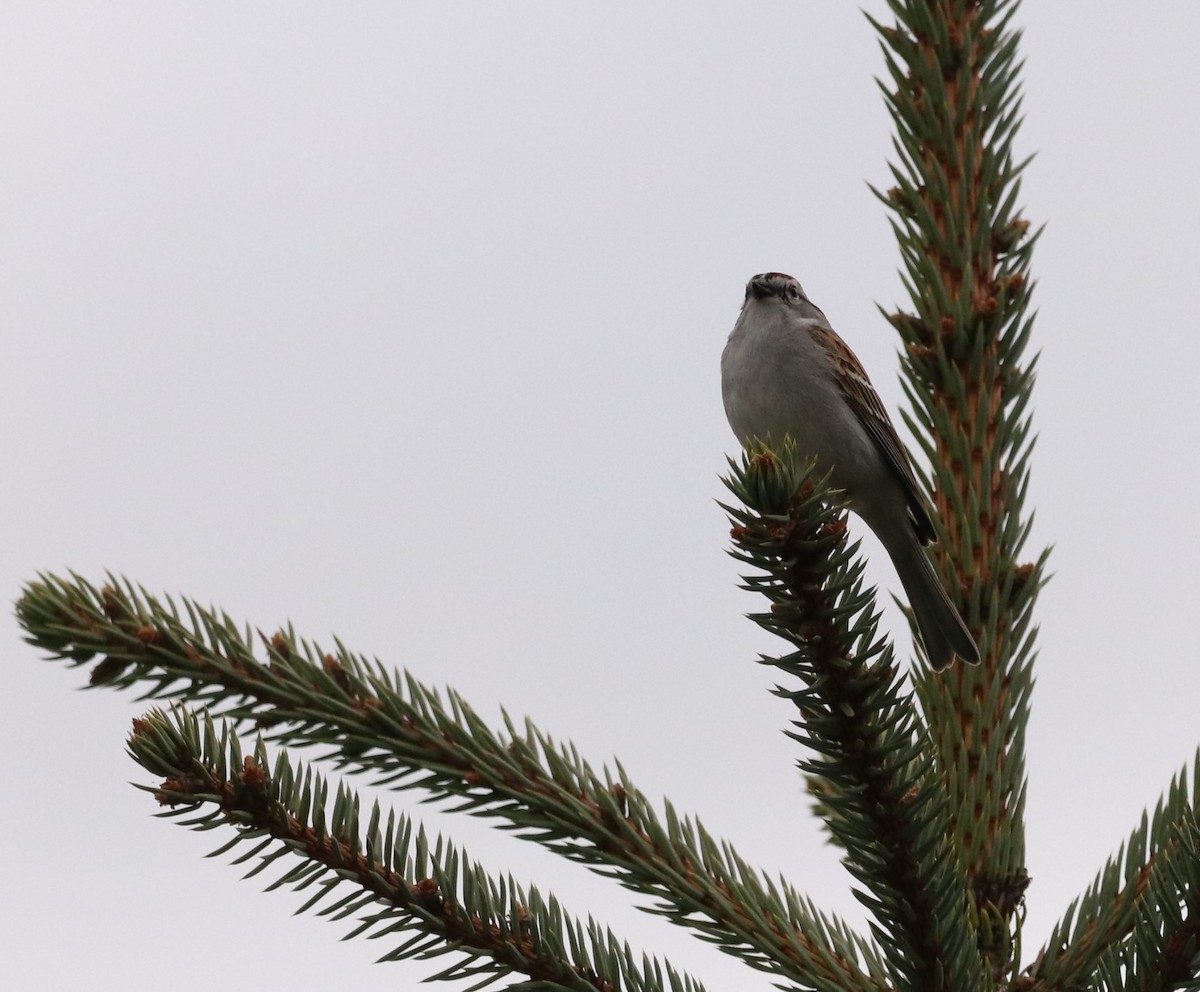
(786, 373)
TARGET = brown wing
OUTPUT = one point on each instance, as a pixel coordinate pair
(865, 402)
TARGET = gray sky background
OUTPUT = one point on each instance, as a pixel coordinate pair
(402, 322)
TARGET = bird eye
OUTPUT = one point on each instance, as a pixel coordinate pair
(793, 292)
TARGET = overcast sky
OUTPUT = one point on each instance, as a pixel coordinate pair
(402, 322)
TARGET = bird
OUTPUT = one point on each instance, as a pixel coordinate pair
(786, 373)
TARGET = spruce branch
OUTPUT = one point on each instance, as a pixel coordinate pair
(431, 897)
(1141, 914)
(952, 87)
(402, 734)
(1162, 951)
(881, 798)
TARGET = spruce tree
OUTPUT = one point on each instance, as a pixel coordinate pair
(919, 776)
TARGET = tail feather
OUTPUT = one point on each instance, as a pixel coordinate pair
(942, 629)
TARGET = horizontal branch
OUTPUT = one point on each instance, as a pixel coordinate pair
(405, 736)
(433, 897)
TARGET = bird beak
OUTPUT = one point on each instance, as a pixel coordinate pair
(757, 288)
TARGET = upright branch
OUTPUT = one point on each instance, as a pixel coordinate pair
(954, 95)
(866, 743)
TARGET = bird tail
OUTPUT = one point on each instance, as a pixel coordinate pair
(942, 629)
